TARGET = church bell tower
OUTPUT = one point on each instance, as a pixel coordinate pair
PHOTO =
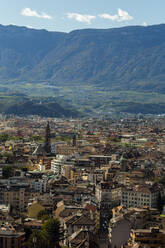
(47, 145)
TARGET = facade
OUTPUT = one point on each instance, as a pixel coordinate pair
(148, 238)
(10, 238)
(39, 186)
(108, 194)
(56, 164)
(77, 222)
(17, 197)
(140, 196)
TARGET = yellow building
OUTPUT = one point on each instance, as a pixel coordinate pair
(34, 209)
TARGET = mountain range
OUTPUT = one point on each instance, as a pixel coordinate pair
(122, 58)
(118, 59)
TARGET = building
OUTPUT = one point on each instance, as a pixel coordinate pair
(148, 238)
(47, 145)
(108, 194)
(18, 198)
(46, 148)
(56, 164)
(140, 196)
(39, 185)
(10, 238)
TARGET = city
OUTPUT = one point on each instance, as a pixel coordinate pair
(101, 180)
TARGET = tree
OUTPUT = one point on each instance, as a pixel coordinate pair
(51, 230)
(48, 237)
(4, 137)
(37, 240)
(28, 232)
(43, 215)
(37, 138)
(7, 171)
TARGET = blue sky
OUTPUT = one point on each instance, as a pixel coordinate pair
(67, 15)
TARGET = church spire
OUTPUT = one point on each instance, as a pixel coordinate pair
(47, 145)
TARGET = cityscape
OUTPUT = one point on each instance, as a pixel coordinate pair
(82, 124)
(82, 182)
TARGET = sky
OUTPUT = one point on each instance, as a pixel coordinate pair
(68, 15)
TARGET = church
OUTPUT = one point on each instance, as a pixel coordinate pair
(46, 148)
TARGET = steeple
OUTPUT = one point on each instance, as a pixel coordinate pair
(74, 140)
(47, 145)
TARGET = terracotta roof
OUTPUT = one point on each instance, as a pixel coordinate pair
(91, 207)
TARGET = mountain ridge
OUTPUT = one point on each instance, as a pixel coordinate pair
(86, 65)
(122, 58)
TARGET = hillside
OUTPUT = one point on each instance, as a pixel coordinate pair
(21, 49)
(22, 105)
(126, 58)
(122, 58)
(93, 70)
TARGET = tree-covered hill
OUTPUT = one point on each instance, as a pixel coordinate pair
(22, 48)
(93, 70)
(22, 105)
(121, 58)
(125, 58)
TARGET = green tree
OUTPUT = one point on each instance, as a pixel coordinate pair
(37, 240)
(4, 137)
(28, 232)
(51, 230)
(8, 154)
(7, 171)
(37, 138)
(43, 215)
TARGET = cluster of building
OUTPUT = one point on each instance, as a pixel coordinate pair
(103, 179)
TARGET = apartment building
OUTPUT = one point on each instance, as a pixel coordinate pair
(56, 164)
(140, 196)
(39, 185)
(17, 197)
(108, 194)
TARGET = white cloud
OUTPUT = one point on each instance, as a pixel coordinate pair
(81, 18)
(120, 16)
(33, 13)
(144, 24)
(124, 16)
(109, 17)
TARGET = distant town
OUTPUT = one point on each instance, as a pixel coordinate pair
(82, 183)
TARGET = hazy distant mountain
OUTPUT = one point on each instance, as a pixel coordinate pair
(121, 58)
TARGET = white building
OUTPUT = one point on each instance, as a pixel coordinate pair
(56, 164)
